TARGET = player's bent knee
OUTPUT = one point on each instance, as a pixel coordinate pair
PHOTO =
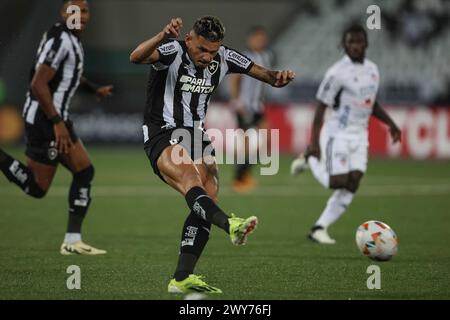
(338, 182)
(85, 175)
(353, 181)
(191, 179)
(352, 186)
(213, 191)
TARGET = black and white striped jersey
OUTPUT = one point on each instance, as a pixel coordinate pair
(178, 92)
(251, 92)
(61, 50)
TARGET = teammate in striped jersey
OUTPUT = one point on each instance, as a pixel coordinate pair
(183, 76)
(50, 136)
(247, 98)
(337, 155)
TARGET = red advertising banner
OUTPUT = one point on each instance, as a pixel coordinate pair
(426, 131)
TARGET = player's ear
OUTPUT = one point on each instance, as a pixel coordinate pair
(188, 38)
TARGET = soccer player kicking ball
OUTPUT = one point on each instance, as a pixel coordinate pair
(51, 138)
(183, 76)
(338, 161)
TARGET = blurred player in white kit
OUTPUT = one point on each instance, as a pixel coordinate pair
(338, 154)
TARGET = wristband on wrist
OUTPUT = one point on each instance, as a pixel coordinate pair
(56, 119)
(91, 86)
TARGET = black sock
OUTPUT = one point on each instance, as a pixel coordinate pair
(194, 237)
(3, 156)
(20, 175)
(202, 205)
(242, 169)
(79, 199)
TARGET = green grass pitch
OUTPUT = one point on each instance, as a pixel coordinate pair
(138, 219)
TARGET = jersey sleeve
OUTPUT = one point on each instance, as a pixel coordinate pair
(54, 51)
(167, 53)
(237, 62)
(329, 88)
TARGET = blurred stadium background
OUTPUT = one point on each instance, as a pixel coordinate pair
(411, 193)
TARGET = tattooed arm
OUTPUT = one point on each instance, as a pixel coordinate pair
(146, 52)
(276, 79)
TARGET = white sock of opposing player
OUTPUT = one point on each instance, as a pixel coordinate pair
(72, 238)
(319, 171)
(336, 206)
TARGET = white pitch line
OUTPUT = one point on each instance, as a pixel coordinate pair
(261, 191)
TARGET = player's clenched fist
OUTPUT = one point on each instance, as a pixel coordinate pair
(284, 77)
(172, 30)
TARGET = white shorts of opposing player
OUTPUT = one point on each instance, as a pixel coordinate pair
(339, 155)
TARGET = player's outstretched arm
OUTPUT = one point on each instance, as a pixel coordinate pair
(99, 90)
(146, 52)
(276, 79)
(381, 114)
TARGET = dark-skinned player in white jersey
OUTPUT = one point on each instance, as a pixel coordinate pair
(338, 153)
(183, 76)
(50, 136)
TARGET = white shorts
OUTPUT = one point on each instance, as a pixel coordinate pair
(341, 156)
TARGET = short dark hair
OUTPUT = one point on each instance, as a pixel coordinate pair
(256, 28)
(210, 28)
(354, 28)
